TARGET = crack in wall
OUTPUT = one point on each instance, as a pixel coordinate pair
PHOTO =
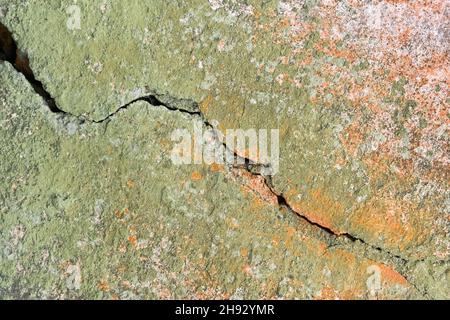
(10, 52)
(19, 60)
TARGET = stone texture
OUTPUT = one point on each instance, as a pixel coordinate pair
(359, 91)
(97, 211)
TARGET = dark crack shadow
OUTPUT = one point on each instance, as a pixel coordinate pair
(19, 60)
(10, 52)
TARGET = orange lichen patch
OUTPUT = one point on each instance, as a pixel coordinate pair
(143, 258)
(391, 276)
(327, 293)
(122, 248)
(247, 269)
(211, 293)
(329, 48)
(208, 278)
(6, 43)
(290, 231)
(221, 45)
(289, 239)
(196, 176)
(391, 218)
(244, 252)
(281, 78)
(256, 184)
(233, 224)
(352, 138)
(318, 208)
(442, 254)
(120, 214)
(23, 64)
(377, 166)
(104, 286)
(351, 294)
(206, 103)
(126, 284)
(276, 240)
(133, 240)
(292, 192)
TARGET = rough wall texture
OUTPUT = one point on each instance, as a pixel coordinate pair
(92, 206)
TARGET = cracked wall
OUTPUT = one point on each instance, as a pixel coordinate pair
(92, 207)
